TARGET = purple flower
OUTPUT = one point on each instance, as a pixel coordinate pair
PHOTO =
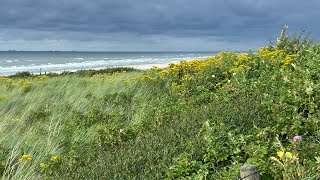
(121, 130)
(297, 138)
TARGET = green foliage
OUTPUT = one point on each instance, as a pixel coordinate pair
(3, 156)
(293, 43)
(92, 72)
(23, 74)
(200, 119)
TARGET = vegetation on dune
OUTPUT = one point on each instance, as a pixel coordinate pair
(82, 73)
(201, 119)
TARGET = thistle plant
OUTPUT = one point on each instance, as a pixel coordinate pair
(294, 43)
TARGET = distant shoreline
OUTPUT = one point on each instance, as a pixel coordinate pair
(36, 62)
(18, 51)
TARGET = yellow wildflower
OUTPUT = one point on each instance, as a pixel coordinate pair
(5, 79)
(241, 68)
(271, 54)
(26, 157)
(54, 158)
(42, 165)
(288, 154)
(280, 154)
(243, 57)
(26, 86)
(164, 73)
(41, 78)
(289, 59)
(299, 174)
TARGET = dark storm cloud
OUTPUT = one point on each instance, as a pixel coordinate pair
(125, 20)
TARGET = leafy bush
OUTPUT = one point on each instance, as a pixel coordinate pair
(23, 74)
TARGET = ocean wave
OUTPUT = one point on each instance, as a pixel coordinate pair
(90, 64)
(9, 60)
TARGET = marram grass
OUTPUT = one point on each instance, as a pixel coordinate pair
(201, 119)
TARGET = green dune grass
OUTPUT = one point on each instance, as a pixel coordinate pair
(201, 119)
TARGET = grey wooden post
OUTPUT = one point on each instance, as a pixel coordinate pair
(249, 172)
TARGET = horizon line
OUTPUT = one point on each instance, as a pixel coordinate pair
(200, 51)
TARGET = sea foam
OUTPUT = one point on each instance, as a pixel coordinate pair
(68, 63)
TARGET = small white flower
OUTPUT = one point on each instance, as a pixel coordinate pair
(213, 76)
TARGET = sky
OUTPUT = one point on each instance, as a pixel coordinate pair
(151, 25)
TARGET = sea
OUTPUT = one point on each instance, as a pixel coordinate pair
(12, 62)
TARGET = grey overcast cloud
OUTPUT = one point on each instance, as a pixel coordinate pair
(151, 25)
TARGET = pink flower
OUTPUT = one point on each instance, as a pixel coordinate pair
(121, 130)
(295, 46)
(297, 138)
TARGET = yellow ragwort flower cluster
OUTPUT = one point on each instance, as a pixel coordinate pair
(26, 157)
(55, 158)
(42, 165)
(41, 78)
(277, 55)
